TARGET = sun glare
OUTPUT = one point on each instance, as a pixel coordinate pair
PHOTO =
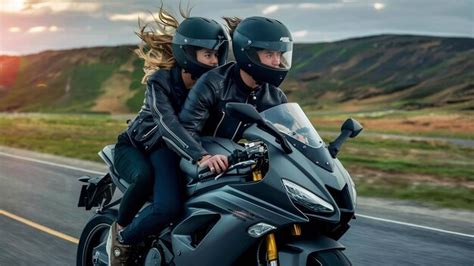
(11, 5)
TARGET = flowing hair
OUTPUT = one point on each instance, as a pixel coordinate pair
(232, 23)
(156, 46)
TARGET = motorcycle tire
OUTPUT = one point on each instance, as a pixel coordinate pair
(94, 233)
(332, 257)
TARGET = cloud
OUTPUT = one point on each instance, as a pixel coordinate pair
(57, 6)
(304, 6)
(39, 29)
(54, 29)
(270, 9)
(131, 17)
(299, 34)
(323, 20)
(320, 6)
(379, 6)
(11, 6)
(14, 29)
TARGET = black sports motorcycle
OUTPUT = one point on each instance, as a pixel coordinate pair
(285, 200)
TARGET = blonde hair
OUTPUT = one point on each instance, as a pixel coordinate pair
(232, 23)
(156, 46)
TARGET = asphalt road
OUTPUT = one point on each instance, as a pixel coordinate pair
(34, 194)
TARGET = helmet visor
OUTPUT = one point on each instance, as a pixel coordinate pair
(274, 59)
(213, 44)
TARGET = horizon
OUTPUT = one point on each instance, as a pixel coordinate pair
(334, 41)
(32, 26)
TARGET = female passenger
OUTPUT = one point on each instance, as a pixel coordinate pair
(172, 65)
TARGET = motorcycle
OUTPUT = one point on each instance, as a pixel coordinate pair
(284, 200)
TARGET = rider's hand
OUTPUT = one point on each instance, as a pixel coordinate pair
(203, 159)
(216, 163)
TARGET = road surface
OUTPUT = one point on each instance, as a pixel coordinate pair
(40, 223)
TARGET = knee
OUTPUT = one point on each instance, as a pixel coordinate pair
(143, 178)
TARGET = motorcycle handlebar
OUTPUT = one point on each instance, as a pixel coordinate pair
(205, 172)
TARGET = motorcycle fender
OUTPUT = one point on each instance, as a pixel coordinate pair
(297, 252)
(94, 193)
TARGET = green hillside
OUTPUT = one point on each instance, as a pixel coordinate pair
(402, 71)
(371, 73)
(70, 80)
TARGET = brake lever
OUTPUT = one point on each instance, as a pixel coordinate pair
(237, 165)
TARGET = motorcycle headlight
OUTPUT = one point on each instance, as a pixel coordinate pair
(354, 192)
(306, 198)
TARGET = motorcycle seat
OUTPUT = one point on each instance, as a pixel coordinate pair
(107, 154)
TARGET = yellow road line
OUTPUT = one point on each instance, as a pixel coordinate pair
(40, 227)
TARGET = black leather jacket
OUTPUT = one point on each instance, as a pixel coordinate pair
(158, 117)
(203, 113)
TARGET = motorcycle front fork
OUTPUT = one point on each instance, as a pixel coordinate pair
(272, 249)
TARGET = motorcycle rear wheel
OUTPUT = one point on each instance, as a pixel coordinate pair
(331, 257)
(95, 232)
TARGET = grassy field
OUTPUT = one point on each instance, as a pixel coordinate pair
(429, 172)
(77, 136)
(427, 122)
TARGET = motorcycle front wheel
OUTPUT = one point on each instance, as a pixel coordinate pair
(331, 257)
(95, 233)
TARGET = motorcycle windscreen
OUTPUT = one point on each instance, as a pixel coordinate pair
(290, 119)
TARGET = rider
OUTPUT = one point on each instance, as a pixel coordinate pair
(262, 48)
(198, 45)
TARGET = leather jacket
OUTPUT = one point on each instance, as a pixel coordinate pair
(204, 113)
(158, 117)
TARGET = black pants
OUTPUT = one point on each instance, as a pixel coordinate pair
(135, 167)
(167, 198)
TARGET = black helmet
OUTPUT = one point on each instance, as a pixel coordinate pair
(195, 33)
(259, 33)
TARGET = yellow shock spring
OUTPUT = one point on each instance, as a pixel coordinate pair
(296, 230)
(257, 175)
(272, 251)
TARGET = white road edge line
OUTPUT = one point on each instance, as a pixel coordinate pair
(414, 225)
(357, 215)
(52, 164)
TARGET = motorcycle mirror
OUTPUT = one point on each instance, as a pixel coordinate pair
(353, 126)
(350, 129)
(244, 112)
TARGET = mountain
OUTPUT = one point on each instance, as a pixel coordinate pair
(79, 80)
(378, 72)
(398, 71)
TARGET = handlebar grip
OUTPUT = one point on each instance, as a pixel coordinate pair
(234, 158)
(204, 172)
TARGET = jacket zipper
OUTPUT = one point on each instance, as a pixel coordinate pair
(246, 101)
(178, 148)
(149, 132)
(218, 125)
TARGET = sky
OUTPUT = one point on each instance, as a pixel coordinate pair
(31, 26)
